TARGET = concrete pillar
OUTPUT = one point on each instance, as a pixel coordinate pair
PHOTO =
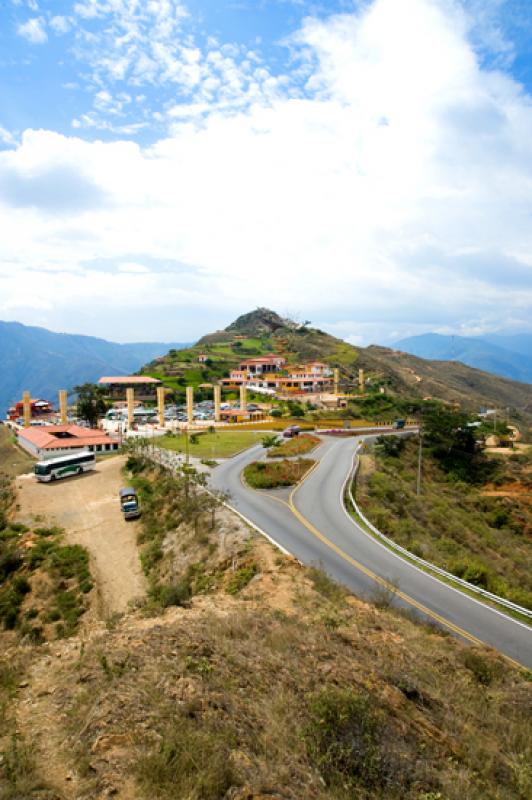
(27, 409)
(63, 407)
(336, 374)
(243, 397)
(160, 404)
(217, 401)
(130, 397)
(361, 380)
(190, 405)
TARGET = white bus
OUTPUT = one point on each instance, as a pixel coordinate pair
(64, 466)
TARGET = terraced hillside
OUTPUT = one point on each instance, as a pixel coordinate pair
(404, 377)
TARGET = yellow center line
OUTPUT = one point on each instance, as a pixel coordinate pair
(382, 581)
(365, 570)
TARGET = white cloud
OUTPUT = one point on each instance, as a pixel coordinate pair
(60, 24)
(396, 193)
(33, 30)
(6, 137)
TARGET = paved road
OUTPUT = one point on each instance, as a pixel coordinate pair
(312, 524)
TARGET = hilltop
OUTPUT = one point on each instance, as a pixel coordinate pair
(403, 376)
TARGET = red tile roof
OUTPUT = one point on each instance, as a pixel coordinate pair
(43, 437)
(125, 379)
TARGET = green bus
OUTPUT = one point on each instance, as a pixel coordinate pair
(65, 466)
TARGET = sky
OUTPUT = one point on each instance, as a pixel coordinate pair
(166, 165)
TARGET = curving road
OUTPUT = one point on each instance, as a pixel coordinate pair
(311, 523)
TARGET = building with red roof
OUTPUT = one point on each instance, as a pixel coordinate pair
(145, 387)
(49, 441)
(38, 408)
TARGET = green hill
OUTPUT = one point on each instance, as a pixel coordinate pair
(405, 379)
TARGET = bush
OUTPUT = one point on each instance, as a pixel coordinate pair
(345, 740)
(192, 761)
(10, 561)
(240, 579)
(173, 594)
(483, 670)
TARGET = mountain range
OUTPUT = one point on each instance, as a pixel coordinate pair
(509, 356)
(43, 362)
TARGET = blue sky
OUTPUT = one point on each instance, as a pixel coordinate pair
(166, 165)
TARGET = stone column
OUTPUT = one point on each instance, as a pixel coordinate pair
(361, 380)
(63, 418)
(160, 404)
(217, 401)
(190, 405)
(336, 379)
(27, 409)
(243, 397)
(130, 397)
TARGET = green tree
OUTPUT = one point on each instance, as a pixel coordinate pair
(456, 444)
(270, 440)
(91, 403)
(391, 445)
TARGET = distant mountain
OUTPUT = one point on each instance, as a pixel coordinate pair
(491, 354)
(44, 362)
(517, 342)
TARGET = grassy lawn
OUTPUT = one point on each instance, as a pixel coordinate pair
(264, 475)
(222, 444)
(297, 446)
(13, 460)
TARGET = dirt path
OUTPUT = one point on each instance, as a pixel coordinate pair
(87, 508)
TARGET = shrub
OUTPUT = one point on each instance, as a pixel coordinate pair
(326, 586)
(177, 593)
(10, 561)
(240, 579)
(483, 670)
(345, 740)
(192, 761)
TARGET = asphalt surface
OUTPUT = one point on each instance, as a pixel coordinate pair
(312, 524)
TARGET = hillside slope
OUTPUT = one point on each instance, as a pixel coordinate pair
(244, 676)
(263, 331)
(475, 352)
(44, 362)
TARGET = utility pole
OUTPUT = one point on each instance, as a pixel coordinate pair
(419, 462)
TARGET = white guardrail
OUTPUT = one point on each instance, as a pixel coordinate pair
(526, 612)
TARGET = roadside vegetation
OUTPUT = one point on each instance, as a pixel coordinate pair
(212, 445)
(185, 547)
(479, 529)
(274, 474)
(297, 446)
(13, 460)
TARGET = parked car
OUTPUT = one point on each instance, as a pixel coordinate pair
(293, 430)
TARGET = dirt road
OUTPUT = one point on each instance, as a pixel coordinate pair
(87, 508)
